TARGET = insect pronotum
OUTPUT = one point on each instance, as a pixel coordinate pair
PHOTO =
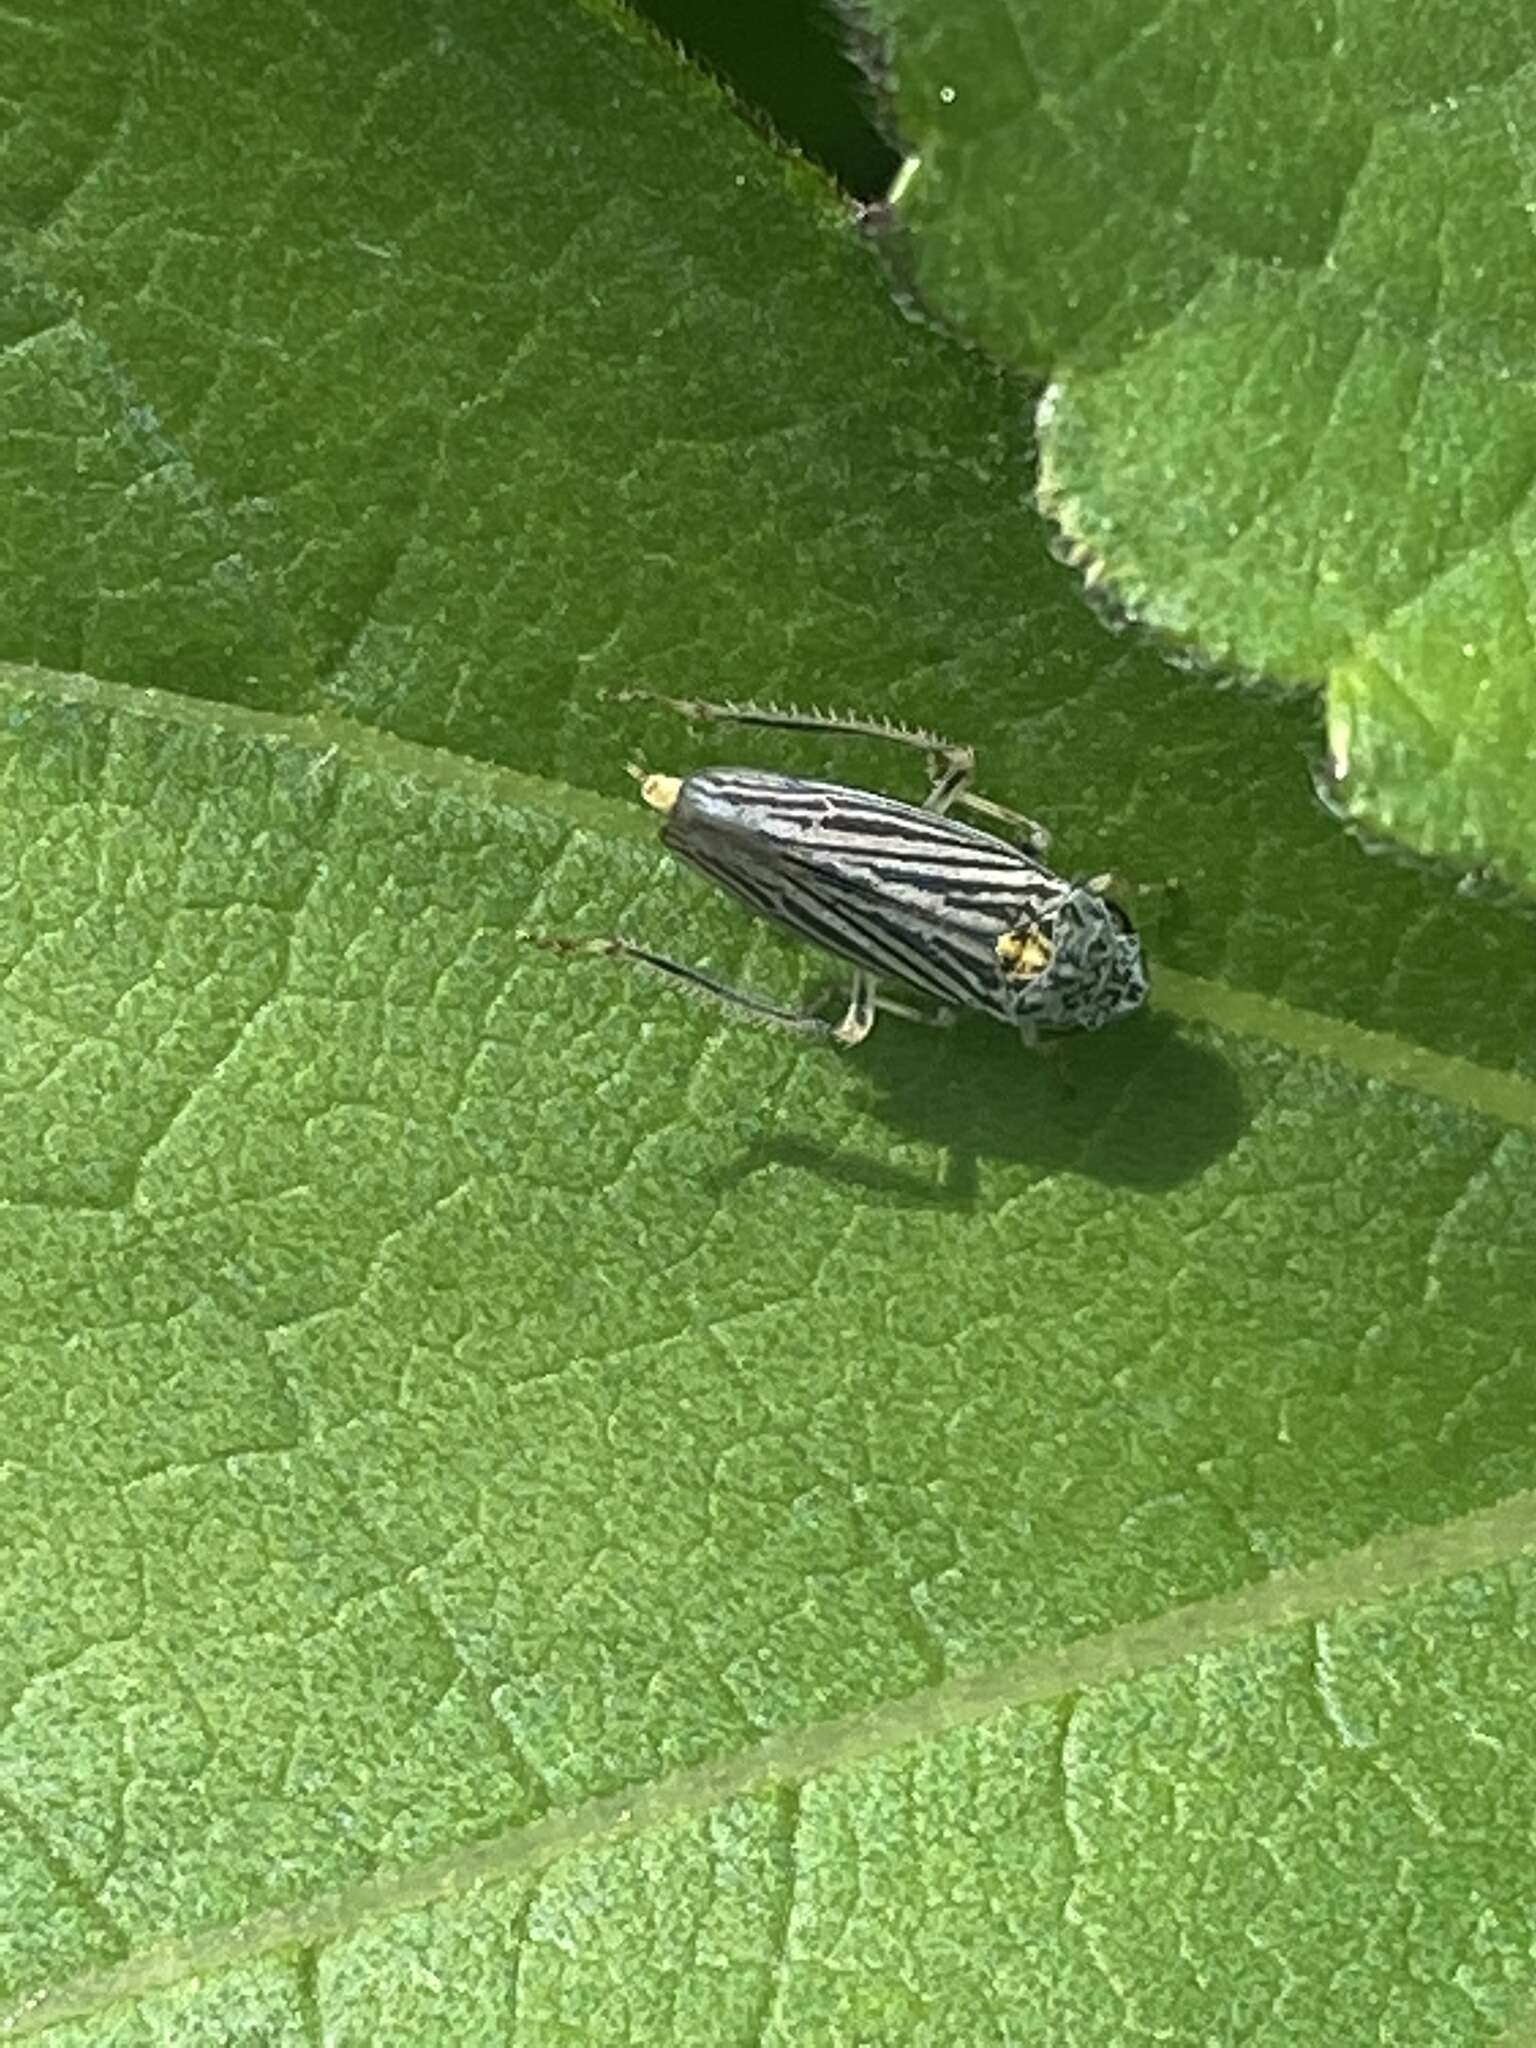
(900, 892)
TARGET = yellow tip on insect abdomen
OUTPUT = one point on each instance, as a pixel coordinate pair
(660, 791)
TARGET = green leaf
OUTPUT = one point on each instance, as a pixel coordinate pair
(528, 1505)
(1277, 267)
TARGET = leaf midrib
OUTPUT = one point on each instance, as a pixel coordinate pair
(1506, 1097)
(1386, 1567)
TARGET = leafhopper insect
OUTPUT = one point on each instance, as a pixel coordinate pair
(899, 892)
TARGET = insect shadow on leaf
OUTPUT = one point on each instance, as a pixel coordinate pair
(1147, 1106)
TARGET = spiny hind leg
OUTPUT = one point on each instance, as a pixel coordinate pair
(951, 764)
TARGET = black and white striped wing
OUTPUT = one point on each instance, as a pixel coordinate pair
(898, 891)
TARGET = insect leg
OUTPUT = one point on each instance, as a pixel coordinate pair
(879, 1006)
(804, 1023)
(958, 761)
(950, 762)
(1112, 884)
(858, 1019)
(952, 768)
(940, 1019)
(1033, 836)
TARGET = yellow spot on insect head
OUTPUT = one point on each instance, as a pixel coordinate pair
(660, 791)
(1024, 952)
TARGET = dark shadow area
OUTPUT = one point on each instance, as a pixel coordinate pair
(788, 64)
(1138, 1106)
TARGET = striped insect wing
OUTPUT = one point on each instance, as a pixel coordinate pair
(898, 891)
